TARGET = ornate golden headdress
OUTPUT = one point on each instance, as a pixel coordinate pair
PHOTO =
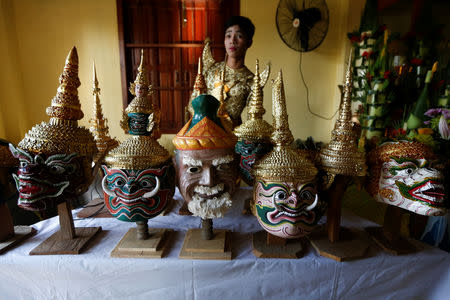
(201, 131)
(341, 155)
(62, 134)
(283, 163)
(99, 125)
(139, 151)
(388, 150)
(141, 104)
(255, 128)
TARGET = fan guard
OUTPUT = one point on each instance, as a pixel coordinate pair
(302, 25)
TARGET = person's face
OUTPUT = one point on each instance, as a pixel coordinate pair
(44, 181)
(412, 185)
(137, 195)
(207, 173)
(250, 152)
(236, 43)
(287, 209)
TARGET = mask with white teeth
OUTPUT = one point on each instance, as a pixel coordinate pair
(137, 195)
(286, 209)
(408, 181)
(45, 181)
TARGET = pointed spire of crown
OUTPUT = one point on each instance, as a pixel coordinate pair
(65, 106)
(200, 84)
(99, 125)
(255, 128)
(283, 163)
(341, 155)
(256, 108)
(281, 135)
(345, 113)
(141, 76)
(141, 89)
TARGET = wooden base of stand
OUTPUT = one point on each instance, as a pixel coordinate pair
(195, 247)
(397, 246)
(265, 249)
(20, 233)
(57, 244)
(153, 247)
(352, 244)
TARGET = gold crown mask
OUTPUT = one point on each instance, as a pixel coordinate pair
(283, 163)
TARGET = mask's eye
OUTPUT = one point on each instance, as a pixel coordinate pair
(247, 151)
(56, 169)
(223, 167)
(145, 183)
(280, 196)
(306, 195)
(70, 169)
(409, 171)
(194, 170)
(23, 164)
(119, 182)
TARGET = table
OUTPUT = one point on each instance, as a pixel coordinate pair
(95, 275)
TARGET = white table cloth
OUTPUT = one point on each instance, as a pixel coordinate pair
(95, 275)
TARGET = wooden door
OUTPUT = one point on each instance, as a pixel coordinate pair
(171, 32)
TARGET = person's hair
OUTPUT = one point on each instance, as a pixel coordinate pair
(245, 24)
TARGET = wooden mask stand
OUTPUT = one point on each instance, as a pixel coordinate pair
(334, 241)
(11, 235)
(68, 240)
(388, 237)
(142, 242)
(266, 245)
(206, 243)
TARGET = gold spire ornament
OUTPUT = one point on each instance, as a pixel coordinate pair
(99, 125)
(255, 129)
(283, 163)
(341, 156)
(66, 105)
(200, 84)
(140, 150)
(62, 134)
